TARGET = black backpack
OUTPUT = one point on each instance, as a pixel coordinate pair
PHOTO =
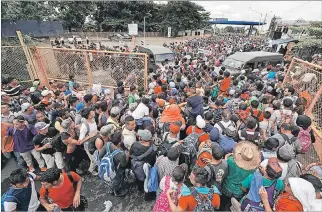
(255, 138)
(58, 144)
(165, 146)
(256, 118)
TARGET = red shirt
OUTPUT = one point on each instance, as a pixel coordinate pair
(64, 195)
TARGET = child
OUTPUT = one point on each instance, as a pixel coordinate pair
(71, 82)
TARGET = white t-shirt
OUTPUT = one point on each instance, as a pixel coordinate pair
(141, 111)
(84, 131)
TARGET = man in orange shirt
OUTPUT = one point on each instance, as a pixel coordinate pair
(61, 189)
(224, 85)
(255, 112)
(199, 197)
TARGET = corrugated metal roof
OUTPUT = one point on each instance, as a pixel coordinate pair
(247, 56)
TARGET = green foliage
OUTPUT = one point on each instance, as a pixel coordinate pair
(229, 29)
(111, 15)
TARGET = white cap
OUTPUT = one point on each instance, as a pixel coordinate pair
(45, 92)
(32, 89)
(200, 122)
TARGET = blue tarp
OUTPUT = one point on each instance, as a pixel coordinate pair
(33, 28)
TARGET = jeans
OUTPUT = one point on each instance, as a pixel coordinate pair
(92, 165)
(27, 156)
(16, 155)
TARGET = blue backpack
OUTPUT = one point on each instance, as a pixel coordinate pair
(4, 197)
(106, 169)
(153, 182)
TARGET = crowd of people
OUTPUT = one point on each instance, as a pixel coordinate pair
(198, 139)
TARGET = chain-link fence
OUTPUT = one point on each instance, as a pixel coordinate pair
(306, 78)
(15, 64)
(94, 67)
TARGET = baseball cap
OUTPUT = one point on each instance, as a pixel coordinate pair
(4, 94)
(41, 126)
(20, 118)
(45, 92)
(146, 135)
(66, 124)
(79, 107)
(25, 106)
(200, 122)
(115, 111)
(108, 129)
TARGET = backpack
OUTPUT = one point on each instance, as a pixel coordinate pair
(285, 118)
(137, 163)
(289, 143)
(190, 144)
(91, 144)
(305, 138)
(218, 115)
(165, 146)
(225, 131)
(203, 204)
(107, 168)
(153, 181)
(226, 143)
(249, 205)
(250, 137)
(57, 143)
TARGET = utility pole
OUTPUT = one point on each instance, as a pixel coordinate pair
(264, 21)
(144, 29)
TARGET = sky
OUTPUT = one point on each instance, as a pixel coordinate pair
(287, 10)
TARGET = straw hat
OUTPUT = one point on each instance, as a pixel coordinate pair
(247, 155)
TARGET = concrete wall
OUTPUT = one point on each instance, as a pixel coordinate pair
(106, 34)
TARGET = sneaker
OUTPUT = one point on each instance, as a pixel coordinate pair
(120, 193)
(94, 173)
(31, 169)
(43, 169)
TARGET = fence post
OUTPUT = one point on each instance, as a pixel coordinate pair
(88, 66)
(27, 54)
(146, 72)
(288, 71)
(42, 73)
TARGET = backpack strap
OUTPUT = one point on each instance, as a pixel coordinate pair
(87, 127)
(286, 139)
(141, 157)
(222, 127)
(71, 179)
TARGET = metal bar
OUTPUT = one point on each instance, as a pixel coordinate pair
(146, 72)
(98, 51)
(29, 60)
(88, 65)
(307, 63)
(288, 71)
(86, 83)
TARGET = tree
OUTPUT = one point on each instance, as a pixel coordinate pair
(73, 13)
(22, 10)
(183, 16)
(229, 29)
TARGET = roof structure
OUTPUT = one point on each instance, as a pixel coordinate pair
(236, 22)
(248, 56)
(157, 49)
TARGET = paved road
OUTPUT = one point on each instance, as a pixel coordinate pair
(96, 192)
